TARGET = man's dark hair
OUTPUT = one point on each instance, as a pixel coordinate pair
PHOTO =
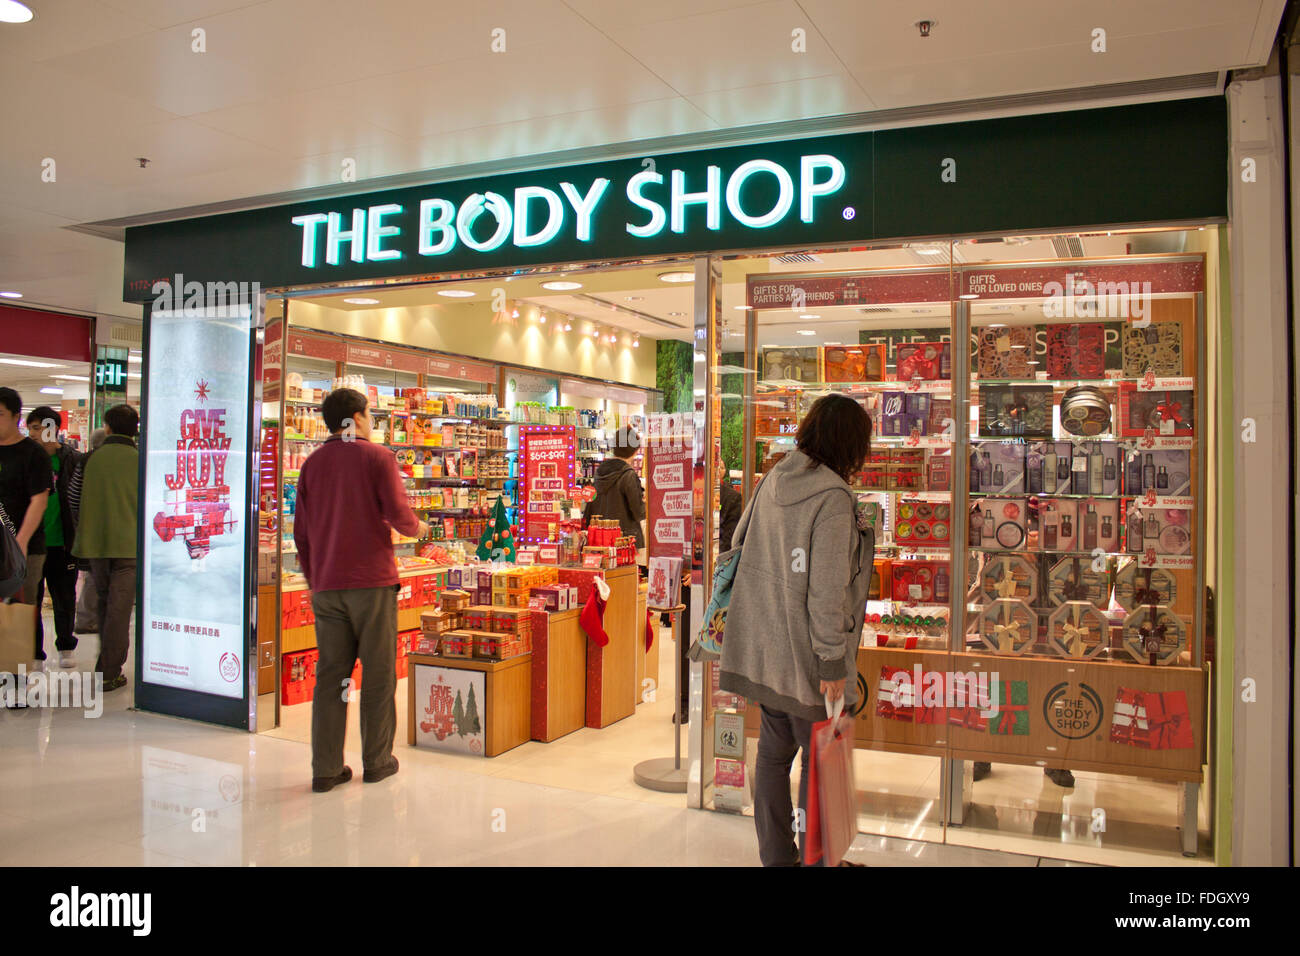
(41, 414)
(11, 400)
(340, 405)
(626, 443)
(123, 420)
(836, 433)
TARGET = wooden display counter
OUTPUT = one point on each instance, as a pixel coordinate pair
(559, 677)
(611, 670)
(490, 711)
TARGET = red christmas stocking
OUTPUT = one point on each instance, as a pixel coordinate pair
(592, 619)
(649, 632)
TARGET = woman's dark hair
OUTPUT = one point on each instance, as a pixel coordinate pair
(341, 405)
(836, 433)
(123, 420)
(626, 443)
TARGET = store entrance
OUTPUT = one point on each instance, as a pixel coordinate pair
(506, 403)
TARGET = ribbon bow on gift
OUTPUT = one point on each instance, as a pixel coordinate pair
(918, 366)
(1012, 634)
(1169, 410)
(1074, 638)
(1146, 596)
(1006, 587)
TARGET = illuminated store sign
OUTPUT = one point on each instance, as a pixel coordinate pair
(535, 215)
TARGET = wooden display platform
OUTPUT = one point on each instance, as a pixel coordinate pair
(505, 701)
(559, 675)
(611, 670)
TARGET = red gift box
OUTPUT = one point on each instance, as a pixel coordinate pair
(896, 698)
(298, 676)
(1151, 719)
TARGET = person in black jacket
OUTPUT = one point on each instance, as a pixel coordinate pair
(60, 526)
(618, 491)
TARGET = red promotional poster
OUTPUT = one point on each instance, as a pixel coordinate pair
(546, 462)
(669, 503)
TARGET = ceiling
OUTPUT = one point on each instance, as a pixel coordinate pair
(638, 300)
(286, 91)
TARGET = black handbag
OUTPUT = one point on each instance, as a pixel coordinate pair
(13, 563)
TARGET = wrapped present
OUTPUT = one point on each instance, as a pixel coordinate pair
(1135, 586)
(924, 360)
(896, 695)
(1072, 579)
(1157, 348)
(1077, 629)
(1165, 412)
(1015, 411)
(965, 704)
(1151, 719)
(1003, 567)
(1008, 626)
(1011, 706)
(1154, 635)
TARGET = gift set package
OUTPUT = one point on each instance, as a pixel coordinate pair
(1165, 530)
(854, 363)
(1073, 579)
(1015, 411)
(903, 412)
(924, 360)
(1156, 348)
(997, 468)
(1167, 472)
(796, 364)
(1076, 351)
(1004, 352)
(1073, 468)
(1058, 524)
(1164, 411)
(923, 523)
(999, 523)
(924, 582)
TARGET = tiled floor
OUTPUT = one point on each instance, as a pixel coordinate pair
(139, 789)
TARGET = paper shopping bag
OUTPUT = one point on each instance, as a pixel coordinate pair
(832, 813)
(17, 636)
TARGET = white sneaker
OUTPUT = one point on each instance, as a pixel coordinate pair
(66, 660)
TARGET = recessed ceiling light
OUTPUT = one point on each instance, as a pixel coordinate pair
(634, 298)
(929, 252)
(832, 343)
(11, 11)
(51, 390)
(362, 301)
(677, 277)
(556, 286)
(677, 313)
(810, 316)
(456, 293)
(568, 326)
(11, 295)
(28, 364)
(742, 308)
(969, 295)
(72, 378)
(806, 331)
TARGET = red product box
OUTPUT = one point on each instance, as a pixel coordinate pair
(1164, 411)
(923, 360)
(477, 617)
(426, 643)
(298, 676)
(580, 579)
(921, 582)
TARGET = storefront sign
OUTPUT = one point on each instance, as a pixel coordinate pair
(455, 368)
(395, 359)
(317, 347)
(193, 568)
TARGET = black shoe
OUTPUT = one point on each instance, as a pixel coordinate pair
(1062, 778)
(326, 784)
(115, 683)
(982, 770)
(374, 776)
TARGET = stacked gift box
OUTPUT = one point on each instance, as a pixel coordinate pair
(893, 469)
(557, 597)
(298, 676)
(295, 609)
(583, 579)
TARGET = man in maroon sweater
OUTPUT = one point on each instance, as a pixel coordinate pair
(349, 494)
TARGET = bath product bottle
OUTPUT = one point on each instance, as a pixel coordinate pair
(1090, 528)
(1063, 475)
(1079, 469)
(1133, 475)
(986, 471)
(1133, 532)
(987, 530)
(1151, 528)
(1148, 475)
(975, 536)
(1108, 473)
(1049, 470)
(1049, 533)
(1107, 528)
(1162, 479)
(999, 480)
(1094, 471)
(974, 471)
(941, 585)
(1067, 529)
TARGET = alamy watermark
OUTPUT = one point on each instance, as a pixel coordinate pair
(71, 689)
(1079, 298)
(198, 300)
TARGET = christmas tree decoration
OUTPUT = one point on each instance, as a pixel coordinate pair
(1155, 635)
(497, 543)
(472, 724)
(1077, 629)
(1007, 626)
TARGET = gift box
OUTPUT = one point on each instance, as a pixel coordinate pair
(853, 363)
(997, 468)
(1077, 629)
(1010, 702)
(965, 705)
(923, 523)
(1135, 586)
(940, 421)
(1164, 411)
(1094, 468)
(1002, 568)
(1163, 530)
(1154, 635)
(454, 600)
(896, 698)
(1058, 524)
(999, 523)
(796, 364)
(1003, 352)
(1015, 411)
(1072, 579)
(939, 472)
(924, 582)
(1008, 626)
(298, 676)
(1076, 351)
(901, 413)
(1168, 472)
(1157, 348)
(665, 583)
(477, 617)
(1154, 720)
(457, 644)
(927, 361)
(1099, 525)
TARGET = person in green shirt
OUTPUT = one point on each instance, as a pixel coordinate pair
(60, 526)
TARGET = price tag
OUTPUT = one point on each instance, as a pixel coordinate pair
(1166, 426)
(1079, 464)
(592, 560)
(914, 592)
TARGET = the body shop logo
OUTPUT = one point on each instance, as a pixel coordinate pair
(1073, 711)
(529, 216)
(857, 708)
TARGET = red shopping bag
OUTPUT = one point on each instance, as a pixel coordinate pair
(832, 797)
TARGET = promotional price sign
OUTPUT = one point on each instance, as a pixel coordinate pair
(546, 466)
(669, 503)
(194, 557)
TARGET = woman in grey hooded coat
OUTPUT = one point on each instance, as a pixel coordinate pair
(797, 603)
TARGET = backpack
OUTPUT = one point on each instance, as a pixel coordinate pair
(13, 563)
